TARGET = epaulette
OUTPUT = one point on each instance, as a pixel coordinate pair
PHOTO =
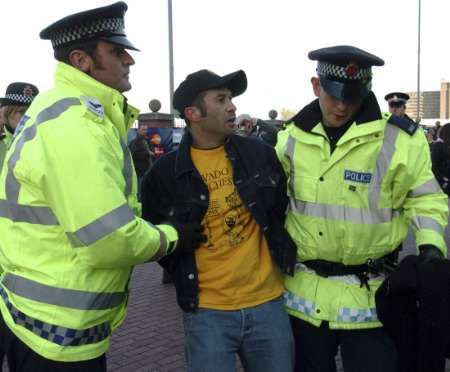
(93, 105)
(405, 124)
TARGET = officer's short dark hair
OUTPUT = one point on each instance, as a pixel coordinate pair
(62, 54)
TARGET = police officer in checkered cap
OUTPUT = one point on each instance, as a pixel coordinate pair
(13, 105)
(18, 97)
(397, 103)
(69, 230)
(356, 176)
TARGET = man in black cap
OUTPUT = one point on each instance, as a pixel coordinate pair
(229, 288)
(69, 227)
(357, 179)
(397, 104)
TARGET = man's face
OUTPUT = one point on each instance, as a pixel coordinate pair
(142, 130)
(335, 113)
(398, 110)
(112, 66)
(220, 113)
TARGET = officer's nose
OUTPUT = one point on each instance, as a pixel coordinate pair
(128, 60)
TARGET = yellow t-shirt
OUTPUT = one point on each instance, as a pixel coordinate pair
(235, 268)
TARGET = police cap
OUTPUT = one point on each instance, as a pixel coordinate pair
(345, 71)
(19, 94)
(396, 99)
(105, 23)
(202, 80)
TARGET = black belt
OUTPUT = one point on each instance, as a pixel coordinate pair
(326, 268)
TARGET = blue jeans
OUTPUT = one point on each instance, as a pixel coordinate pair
(260, 335)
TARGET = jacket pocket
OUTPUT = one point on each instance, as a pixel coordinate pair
(267, 183)
(303, 188)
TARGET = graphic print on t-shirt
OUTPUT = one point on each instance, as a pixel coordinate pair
(226, 213)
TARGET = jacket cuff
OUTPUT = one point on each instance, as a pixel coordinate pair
(171, 236)
(428, 237)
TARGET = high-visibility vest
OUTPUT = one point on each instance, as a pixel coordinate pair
(353, 205)
(69, 231)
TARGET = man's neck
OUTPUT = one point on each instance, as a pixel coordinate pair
(205, 140)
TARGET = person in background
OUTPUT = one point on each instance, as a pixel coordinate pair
(230, 288)
(70, 231)
(440, 158)
(397, 104)
(357, 179)
(156, 146)
(17, 99)
(253, 127)
(141, 153)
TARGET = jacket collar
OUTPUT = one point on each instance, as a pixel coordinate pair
(183, 161)
(72, 79)
(236, 147)
(311, 115)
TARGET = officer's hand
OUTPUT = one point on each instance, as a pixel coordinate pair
(190, 236)
(429, 253)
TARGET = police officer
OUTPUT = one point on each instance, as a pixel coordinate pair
(397, 104)
(69, 230)
(357, 179)
(18, 98)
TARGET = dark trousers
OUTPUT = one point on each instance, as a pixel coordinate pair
(368, 350)
(22, 359)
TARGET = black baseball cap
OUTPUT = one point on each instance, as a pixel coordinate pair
(202, 80)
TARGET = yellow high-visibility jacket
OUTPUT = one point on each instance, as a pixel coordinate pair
(69, 226)
(352, 205)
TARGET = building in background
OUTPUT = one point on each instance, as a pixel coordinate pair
(433, 104)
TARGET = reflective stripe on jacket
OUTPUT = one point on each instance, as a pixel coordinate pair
(354, 204)
(69, 231)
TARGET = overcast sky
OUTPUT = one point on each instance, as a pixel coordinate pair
(268, 39)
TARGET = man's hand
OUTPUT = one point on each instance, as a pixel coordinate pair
(190, 236)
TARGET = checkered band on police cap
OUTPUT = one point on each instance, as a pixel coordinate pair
(350, 72)
(20, 98)
(84, 31)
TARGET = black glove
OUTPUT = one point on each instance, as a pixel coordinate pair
(189, 237)
(429, 253)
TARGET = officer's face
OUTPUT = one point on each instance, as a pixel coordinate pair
(111, 66)
(335, 113)
(397, 110)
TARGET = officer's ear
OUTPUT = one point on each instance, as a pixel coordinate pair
(315, 82)
(79, 59)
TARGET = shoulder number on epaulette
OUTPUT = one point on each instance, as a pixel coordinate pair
(405, 124)
(93, 105)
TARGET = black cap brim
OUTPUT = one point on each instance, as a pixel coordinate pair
(236, 82)
(120, 40)
(346, 92)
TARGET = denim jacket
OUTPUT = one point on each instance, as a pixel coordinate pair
(173, 190)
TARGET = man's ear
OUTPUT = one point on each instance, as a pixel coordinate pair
(192, 113)
(81, 60)
(315, 82)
